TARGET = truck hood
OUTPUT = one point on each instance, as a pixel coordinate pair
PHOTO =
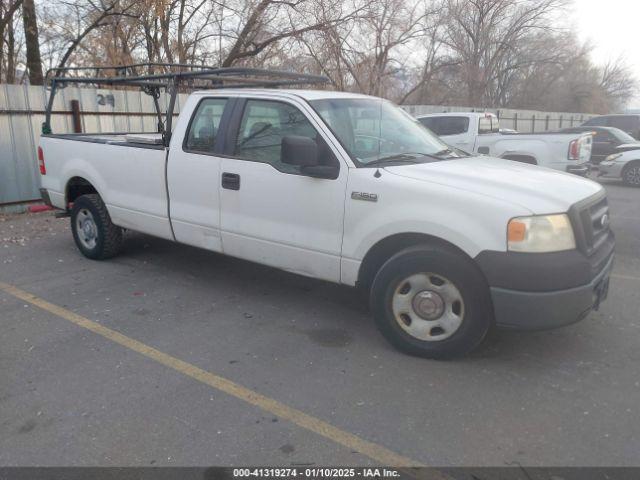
(540, 190)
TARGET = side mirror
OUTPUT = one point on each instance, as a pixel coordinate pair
(300, 151)
(303, 152)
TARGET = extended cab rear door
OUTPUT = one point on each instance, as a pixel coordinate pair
(193, 171)
(271, 213)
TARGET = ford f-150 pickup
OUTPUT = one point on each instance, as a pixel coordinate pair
(350, 189)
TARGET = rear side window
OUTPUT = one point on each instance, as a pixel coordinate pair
(264, 124)
(488, 124)
(204, 125)
(596, 122)
(602, 137)
(628, 124)
(443, 126)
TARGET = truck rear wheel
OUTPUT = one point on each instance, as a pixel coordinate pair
(94, 233)
(431, 302)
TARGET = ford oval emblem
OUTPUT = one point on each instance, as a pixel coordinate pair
(604, 221)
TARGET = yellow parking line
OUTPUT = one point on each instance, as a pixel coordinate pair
(374, 451)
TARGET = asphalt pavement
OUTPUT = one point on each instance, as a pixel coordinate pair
(170, 355)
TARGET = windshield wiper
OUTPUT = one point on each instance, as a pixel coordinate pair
(446, 151)
(449, 152)
(399, 158)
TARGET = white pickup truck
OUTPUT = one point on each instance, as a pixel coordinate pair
(350, 189)
(480, 133)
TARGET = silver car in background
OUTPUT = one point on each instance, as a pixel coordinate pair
(624, 166)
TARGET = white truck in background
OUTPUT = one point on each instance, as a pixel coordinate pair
(349, 189)
(476, 132)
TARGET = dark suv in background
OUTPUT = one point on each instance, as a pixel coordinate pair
(628, 123)
(606, 141)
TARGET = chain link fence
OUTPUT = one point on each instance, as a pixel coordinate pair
(524, 121)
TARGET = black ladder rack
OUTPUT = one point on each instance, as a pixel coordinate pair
(171, 77)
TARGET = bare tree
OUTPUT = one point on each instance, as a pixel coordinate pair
(264, 23)
(499, 53)
(370, 53)
(617, 82)
(13, 49)
(7, 10)
(34, 62)
(483, 32)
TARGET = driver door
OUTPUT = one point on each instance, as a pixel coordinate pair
(270, 212)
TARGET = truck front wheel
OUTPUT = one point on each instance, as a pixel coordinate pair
(94, 233)
(431, 302)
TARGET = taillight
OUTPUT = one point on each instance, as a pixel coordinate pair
(43, 169)
(574, 150)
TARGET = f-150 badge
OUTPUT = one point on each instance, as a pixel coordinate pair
(367, 197)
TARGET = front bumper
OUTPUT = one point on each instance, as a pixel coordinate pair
(610, 169)
(544, 310)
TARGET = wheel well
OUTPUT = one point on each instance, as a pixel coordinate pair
(629, 165)
(521, 158)
(76, 187)
(388, 247)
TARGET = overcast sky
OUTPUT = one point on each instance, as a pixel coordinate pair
(613, 27)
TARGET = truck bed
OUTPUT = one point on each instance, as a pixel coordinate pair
(128, 174)
(135, 140)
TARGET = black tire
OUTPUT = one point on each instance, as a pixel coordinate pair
(108, 237)
(477, 310)
(631, 174)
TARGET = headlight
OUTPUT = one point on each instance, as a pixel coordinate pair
(544, 233)
(613, 157)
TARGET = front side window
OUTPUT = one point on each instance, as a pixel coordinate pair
(596, 122)
(602, 137)
(204, 125)
(264, 124)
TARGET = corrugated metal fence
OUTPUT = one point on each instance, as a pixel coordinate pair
(22, 110)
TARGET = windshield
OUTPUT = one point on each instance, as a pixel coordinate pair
(374, 131)
(623, 136)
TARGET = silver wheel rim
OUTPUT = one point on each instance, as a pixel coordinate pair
(86, 229)
(633, 176)
(428, 307)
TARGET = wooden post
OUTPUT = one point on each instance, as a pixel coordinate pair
(75, 113)
(533, 124)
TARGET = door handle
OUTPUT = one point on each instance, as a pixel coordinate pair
(230, 181)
